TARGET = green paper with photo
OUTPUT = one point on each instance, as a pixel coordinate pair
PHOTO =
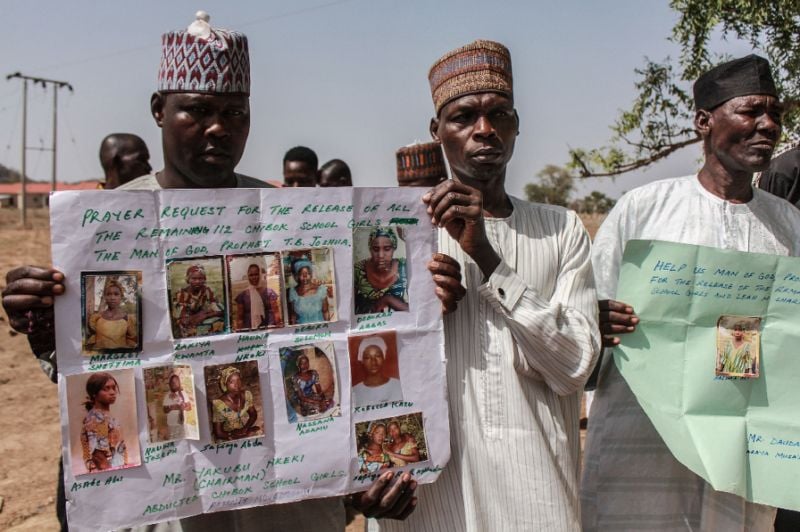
(715, 362)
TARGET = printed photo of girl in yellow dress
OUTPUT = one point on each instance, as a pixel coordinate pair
(234, 401)
(111, 312)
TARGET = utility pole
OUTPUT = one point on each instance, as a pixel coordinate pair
(23, 179)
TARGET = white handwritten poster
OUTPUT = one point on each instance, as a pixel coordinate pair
(223, 349)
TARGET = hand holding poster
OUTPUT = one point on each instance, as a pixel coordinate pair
(713, 362)
(232, 348)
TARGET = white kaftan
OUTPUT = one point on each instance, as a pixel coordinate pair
(519, 350)
(631, 481)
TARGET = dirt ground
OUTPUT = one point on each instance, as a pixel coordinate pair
(30, 442)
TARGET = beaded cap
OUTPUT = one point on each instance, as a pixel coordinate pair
(204, 59)
(481, 66)
(421, 165)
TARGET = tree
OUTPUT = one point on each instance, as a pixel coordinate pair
(595, 203)
(659, 122)
(8, 175)
(554, 187)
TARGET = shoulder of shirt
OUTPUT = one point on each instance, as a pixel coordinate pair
(149, 182)
(145, 182)
(661, 189)
(562, 215)
(663, 185)
(776, 203)
(245, 181)
(532, 207)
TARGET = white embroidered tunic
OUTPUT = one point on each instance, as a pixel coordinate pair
(631, 481)
(519, 350)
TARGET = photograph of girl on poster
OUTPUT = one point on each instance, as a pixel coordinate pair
(234, 401)
(738, 346)
(102, 421)
(197, 297)
(309, 379)
(111, 312)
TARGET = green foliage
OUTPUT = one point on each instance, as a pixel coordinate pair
(594, 203)
(9, 175)
(554, 187)
(659, 121)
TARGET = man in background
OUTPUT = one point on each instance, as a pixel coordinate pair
(421, 165)
(783, 176)
(335, 173)
(300, 167)
(124, 157)
(783, 180)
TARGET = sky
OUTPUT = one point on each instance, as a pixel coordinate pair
(348, 78)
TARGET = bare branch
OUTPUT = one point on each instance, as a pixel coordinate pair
(637, 163)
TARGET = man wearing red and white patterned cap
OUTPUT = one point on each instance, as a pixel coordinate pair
(202, 107)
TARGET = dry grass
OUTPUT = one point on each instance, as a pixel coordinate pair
(592, 223)
(29, 422)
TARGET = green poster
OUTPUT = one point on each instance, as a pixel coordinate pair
(715, 362)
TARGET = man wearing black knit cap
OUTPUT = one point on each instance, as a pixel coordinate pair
(783, 176)
(631, 479)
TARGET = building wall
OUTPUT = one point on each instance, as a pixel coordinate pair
(35, 201)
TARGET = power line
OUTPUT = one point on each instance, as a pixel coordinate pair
(252, 22)
(95, 58)
(296, 12)
(73, 140)
(12, 92)
(75, 146)
(13, 129)
(56, 84)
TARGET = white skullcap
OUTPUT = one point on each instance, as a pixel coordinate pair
(370, 341)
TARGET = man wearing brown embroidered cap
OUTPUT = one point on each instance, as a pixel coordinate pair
(420, 165)
(523, 340)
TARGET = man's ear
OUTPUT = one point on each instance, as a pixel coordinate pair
(703, 121)
(516, 117)
(157, 101)
(433, 128)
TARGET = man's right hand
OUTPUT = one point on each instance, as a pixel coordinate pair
(28, 299)
(616, 318)
(389, 497)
